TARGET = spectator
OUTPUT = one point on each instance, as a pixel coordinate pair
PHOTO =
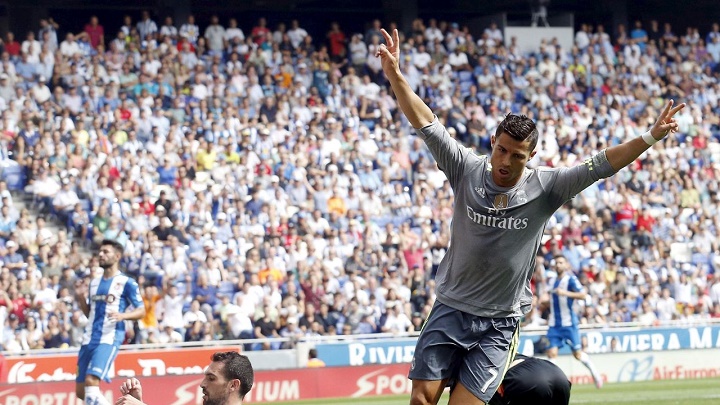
(332, 129)
(95, 33)
(146, 26)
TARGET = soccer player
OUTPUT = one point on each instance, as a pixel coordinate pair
(563, 323)
(501, 208)
(109, 297)
(530, 380)
(227, 380)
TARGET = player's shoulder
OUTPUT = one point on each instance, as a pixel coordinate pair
(544, 171)
(477, 158)
(124, 278)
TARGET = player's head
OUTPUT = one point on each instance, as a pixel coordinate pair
(229, 375)
(513, 145)
(109, 253)
(561, 264)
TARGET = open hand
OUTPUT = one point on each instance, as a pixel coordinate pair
(116, 316)
(665, 122)
(389, 53)
(132, 387)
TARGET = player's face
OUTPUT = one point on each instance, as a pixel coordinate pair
(215, 388)
(508, 159)
(107, 256)
(561, 264)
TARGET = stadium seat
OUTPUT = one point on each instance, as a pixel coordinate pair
(14, 176)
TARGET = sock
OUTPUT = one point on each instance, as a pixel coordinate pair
(93, 396)
(585, 359)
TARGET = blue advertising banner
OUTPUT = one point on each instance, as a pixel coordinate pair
(401, 350)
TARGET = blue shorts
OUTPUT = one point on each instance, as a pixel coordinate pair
(560, 335)
(96, 359)
(465, 348)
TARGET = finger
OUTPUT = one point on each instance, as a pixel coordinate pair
(383, 51)
(676, 109)
(664, 114)
(385, 34)
(396, 37)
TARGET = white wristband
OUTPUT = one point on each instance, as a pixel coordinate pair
(649, 139)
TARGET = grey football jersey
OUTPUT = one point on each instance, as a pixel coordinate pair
(496, 231)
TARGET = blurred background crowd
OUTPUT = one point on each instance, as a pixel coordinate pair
(265, 184)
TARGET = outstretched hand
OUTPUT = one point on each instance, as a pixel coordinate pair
(665, 122)
(132, 387)
(389, 52)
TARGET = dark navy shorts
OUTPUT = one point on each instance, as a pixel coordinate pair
(465, 348)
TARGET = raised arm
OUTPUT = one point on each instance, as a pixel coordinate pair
(81, 296)
(622, 155)
(416, 111)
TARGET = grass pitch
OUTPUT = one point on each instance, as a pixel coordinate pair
(675, 392)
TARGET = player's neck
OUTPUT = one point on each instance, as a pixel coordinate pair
(110, 272)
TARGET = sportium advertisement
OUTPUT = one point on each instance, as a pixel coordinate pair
(361, 381)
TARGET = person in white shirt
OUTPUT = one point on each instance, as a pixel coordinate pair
(172, 305)
(45, 297)
(169, 30)
(421, 59)
(582, 39)
(494, 33)
(64, 201)
(194, 314)
(215, 36)
(397, 321)
(45, 186)
(169, 335)
(432, 32)
(146, 26)
(459, 60)
(69, 47)
(190, 30)
(233, 31)
(296, 34)
(238, 320)
(41, 92)
(31, 47)
(666, 306)
(358, 51)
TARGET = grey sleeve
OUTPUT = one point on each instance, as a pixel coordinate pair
(568, 182)
(448, 153)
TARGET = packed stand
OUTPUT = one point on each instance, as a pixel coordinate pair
(264, 183)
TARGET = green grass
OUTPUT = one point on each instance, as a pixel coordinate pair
(675, 392)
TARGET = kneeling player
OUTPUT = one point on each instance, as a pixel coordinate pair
(530, 380)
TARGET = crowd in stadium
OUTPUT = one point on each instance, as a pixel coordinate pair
(264, 183)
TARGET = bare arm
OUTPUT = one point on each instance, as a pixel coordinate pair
(134, 315)
(622, 155)
(416, 111)
(82, 299)
(580, 295)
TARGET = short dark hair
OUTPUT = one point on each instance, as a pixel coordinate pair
(115, 244)
(520, 128)
(236, 367)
